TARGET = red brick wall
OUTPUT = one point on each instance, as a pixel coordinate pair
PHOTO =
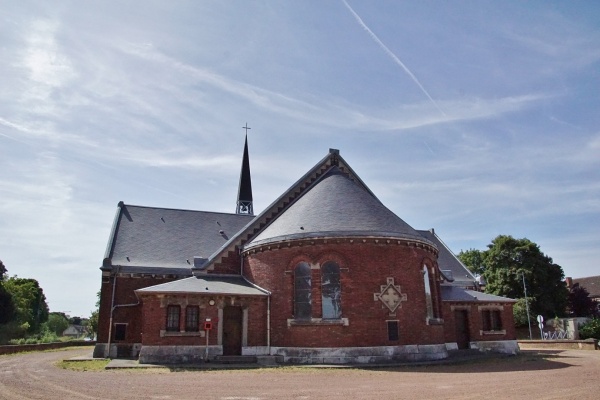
(364, 268)
(154, 316)
(476, 323)
(124, 295)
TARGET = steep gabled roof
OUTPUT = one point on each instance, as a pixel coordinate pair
(163, 240)
(335, 206)
(333, 159)
(447, 261)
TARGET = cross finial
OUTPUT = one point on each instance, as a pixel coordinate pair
(246, 128)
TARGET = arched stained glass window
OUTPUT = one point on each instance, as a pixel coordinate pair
(331, 291)
(302, 291)
(428, 299)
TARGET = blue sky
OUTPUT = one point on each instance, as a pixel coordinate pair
(476, 118)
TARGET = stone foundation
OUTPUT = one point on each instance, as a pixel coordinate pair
(360, 355)
(497, 346)
(178, 354)
(117, 350)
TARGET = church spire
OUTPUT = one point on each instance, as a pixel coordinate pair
(244, 201)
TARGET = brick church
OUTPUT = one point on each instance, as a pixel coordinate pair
(325, 274)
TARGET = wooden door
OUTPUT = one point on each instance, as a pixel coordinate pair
(461, 325)
(232, 331)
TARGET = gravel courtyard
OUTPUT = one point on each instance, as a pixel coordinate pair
(557, 375)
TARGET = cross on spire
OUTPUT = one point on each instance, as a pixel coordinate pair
(246, 128)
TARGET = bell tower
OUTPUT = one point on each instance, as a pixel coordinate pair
(244, 200)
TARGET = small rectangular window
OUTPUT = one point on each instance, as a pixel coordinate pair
(173, 318)
(491, 320)
(191, 318)
(393, 331)
(120, 332)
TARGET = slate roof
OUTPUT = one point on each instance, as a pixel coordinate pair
(335, 206)
(333, 158)
(447, 261)
(591, 284)
(208, 284)
(163, 240)
(455, 293)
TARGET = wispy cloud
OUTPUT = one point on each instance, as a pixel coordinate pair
(392, 55)
(339, 113)
(48, 66)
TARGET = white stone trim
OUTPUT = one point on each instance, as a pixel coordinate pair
(452, 346)
(317, 322)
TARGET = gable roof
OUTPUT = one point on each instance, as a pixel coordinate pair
(335, 206)
(590, 283)
(163, 240)
(333, 159)
(208, 284)
(447, 261)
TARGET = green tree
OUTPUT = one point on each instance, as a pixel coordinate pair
(520, 312)
(29, 300)
(92, 323)
(590, 329)
(580, 304)
(2, 271)
(508, 259)
(57, 323)
(473, 260)
(7, 306)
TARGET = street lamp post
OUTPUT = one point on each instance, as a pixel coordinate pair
(526, 304)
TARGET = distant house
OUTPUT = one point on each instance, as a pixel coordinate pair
(591, 284)
(75, 331)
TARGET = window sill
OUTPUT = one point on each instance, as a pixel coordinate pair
(483, 333)
(435, 321)
(164, 333)
(318, 322)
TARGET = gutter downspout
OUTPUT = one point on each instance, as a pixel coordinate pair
(269, 324)
(112, 309)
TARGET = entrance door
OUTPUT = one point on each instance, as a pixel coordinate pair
(461, 324)
(232, 331)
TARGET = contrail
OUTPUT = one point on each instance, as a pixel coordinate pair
(392, 55)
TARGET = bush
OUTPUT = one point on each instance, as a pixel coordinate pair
(590, 329)
(520, 313)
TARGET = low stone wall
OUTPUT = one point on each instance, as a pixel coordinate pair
(588, 344)
(19, 348)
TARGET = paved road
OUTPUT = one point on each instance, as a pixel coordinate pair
(567, 375)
